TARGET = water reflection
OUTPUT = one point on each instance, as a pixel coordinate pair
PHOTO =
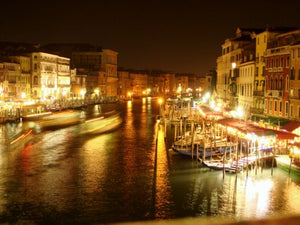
(94, 163)
(127, 175)
(163, 193)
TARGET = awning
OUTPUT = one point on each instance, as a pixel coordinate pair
(293, 125)
(209, 112)
(248, 128)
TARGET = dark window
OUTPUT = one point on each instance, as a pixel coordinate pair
(35, 80)
(292, 74)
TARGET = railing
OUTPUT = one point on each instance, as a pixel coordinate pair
(274, 93)
(256, 111)
(258, 93)
(294, 97)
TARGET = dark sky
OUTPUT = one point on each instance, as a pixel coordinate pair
(183, 36)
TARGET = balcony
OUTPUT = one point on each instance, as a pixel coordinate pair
(294, 97)
(258, 93)
(273, 93)
(256, 111)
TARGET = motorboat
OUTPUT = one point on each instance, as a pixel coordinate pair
(60, 119)
(102, 124)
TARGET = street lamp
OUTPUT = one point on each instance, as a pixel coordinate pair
(160, 101)
(82, 93)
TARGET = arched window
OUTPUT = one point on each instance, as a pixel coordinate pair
(271, 84)
(276, 84)
(280, 83)
(287, 84)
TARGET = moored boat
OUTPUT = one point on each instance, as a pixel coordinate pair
(215, 164)
(288, 164)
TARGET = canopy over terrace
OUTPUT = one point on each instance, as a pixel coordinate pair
(247, 128)
(208, 113)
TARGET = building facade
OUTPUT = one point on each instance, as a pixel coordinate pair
(245, 83)
(277, 81)
(10, 81)
(233, 52)
(50, 76)
(24, 81)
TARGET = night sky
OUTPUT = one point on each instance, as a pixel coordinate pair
(183, 36)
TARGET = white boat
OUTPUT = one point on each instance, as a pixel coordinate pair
(101, 124)
(215, 164)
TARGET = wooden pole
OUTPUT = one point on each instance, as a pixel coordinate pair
(175, 133)
(192, 140)
(247, 157)
(290, 167)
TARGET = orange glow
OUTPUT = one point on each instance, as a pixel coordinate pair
(160, 101)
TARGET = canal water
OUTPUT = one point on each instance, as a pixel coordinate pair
(130, 174)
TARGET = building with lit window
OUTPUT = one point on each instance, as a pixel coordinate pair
(264, 40)
(245, 83)
(233, 52)
(50, 76)
(294, 91)
(124, 84)
(100, 66)
(78, 85)
(9, 77)
(24, 82)
(277, 81)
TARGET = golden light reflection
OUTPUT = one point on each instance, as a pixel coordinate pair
(258, 195)
(291, 195)
(144, 105)
(95, 158)
(162, 188)
(248, 197)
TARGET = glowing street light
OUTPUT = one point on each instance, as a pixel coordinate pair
(233, 65)
(160, 101)
(240, 112)
(82, 93)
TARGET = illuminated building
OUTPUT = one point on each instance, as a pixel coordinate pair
(78, 84)
(100, 66)
(124, 84)
(182, 80)
(139, 83)
(245, 83)
(9, 77)
(277, 81)
(294, 92)
(264, 40)
(50, 76)
(24, 81)
(233, 52)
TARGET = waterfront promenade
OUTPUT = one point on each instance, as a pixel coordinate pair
(12, 111)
